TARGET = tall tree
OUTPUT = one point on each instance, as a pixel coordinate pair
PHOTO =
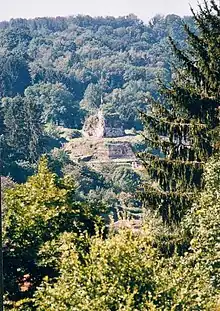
(23, 127)
(182, 125)
(14, 75)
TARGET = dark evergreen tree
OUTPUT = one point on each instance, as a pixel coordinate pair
(23, 128)
(14, 116)
(14, 75)
(182, 125)
(34, 130)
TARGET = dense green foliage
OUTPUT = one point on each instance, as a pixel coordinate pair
(115, 275)
(183, 124)
(113, 185)
(202, 224)
(37, 212)
(57, 104)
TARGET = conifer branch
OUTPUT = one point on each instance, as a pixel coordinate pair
(171, 161)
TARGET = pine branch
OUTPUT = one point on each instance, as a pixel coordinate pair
(170, 161)
(180, 123)
(170, 193)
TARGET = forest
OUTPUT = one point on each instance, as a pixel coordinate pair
(117, 238)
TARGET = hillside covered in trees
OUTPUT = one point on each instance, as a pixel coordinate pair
(60, 70)
(68, 242)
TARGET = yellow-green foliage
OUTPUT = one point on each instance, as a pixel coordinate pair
(116, 274)
(43, 207)
(37, 212)
(124, 272)
(204, 225)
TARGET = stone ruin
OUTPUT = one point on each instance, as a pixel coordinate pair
(100, 126)
(120, 150)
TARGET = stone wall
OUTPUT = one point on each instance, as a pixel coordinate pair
(120, 150)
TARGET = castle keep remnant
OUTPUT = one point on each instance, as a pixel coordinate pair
(100, 126)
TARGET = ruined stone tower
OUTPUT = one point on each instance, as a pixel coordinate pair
(100, 126)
